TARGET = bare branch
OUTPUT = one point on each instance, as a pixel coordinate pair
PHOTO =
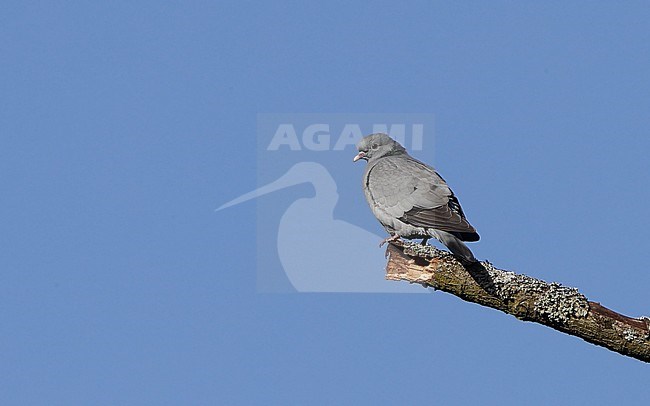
(551, 304)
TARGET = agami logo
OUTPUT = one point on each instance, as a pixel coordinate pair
(310, 239)
(320, 136)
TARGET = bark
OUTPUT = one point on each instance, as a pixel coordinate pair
(529, 299)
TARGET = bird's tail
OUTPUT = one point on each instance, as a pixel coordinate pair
(455, 245)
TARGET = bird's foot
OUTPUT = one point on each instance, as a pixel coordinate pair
(392, 238)
(424, 241)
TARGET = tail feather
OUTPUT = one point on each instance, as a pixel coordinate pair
(455, 245)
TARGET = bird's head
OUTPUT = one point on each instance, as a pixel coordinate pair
(376, 146)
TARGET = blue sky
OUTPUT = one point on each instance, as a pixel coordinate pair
(124, 125)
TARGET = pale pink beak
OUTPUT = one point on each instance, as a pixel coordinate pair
(360, 155)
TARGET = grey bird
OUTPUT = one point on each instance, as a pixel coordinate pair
(410, 199)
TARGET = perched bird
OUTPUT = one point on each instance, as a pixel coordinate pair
(410, 199)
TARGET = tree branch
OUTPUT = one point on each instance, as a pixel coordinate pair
(529, 299)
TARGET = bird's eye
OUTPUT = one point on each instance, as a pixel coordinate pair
(374, 146)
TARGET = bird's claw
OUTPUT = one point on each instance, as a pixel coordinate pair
(389, 239)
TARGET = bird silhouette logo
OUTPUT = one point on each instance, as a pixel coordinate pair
(338, 256)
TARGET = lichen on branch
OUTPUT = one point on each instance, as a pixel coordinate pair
(552, 304)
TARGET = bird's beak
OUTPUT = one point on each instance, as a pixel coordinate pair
(360, 155)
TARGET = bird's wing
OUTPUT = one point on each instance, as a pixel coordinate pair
(416, 194)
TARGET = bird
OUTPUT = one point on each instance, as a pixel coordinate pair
(410, 199)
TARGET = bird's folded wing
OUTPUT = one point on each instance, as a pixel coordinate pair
(414, 193)
(441, 218)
